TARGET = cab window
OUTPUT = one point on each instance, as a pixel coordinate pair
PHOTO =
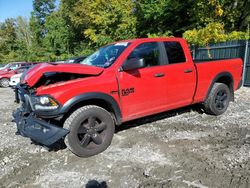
(174, 52)
(13, 67)
(150, 51)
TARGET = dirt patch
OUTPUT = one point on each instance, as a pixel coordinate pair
(181, 148)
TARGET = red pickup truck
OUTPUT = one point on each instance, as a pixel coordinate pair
(82, 103)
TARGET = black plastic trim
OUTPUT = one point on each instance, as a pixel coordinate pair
(220, 75)
(92, 96)
(37, 129)
(240, 84)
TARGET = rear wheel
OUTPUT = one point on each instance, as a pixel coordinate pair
(218, 99)
(4, 82)
(91, 131)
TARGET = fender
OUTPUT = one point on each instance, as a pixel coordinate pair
(92, 96)
(4, 77)
(220, 75)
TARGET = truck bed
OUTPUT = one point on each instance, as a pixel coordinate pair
(207, 71)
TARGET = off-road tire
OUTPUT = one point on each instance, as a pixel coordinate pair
(214, 105)
(4, 82)
(75, 122)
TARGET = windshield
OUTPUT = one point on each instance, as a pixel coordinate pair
(4, 67)
(105, 56)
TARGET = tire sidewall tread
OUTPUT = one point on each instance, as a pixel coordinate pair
(1, 80)
(70, 125)
(209, 106)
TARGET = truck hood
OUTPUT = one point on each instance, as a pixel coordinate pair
(6, 73)
(3, 71)
(33, 75)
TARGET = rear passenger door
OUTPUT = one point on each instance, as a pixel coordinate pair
(180, 76)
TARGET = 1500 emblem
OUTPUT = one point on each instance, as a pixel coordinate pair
(126, 92)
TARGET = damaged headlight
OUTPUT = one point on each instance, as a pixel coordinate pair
(44, 103)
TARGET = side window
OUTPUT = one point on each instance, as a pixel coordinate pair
(174, 52)
(13, 67)
(150, 51)
(22, 69)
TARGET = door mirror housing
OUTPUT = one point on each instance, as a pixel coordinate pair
(133, 63)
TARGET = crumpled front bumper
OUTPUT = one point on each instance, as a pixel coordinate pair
(36, 129)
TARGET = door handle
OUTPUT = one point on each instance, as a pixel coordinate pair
(159, 75)
(188, 70)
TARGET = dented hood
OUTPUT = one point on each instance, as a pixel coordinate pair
(33, 75)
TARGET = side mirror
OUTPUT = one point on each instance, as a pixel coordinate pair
(133, 63)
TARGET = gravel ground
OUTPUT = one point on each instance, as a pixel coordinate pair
(182, 148)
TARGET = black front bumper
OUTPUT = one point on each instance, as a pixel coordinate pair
(30, 125)
(36, 129)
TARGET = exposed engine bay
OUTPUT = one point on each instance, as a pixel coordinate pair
(56, 77)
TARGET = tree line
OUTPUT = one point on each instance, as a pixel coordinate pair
(77, 27)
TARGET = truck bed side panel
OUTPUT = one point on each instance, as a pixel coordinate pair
(208, 71)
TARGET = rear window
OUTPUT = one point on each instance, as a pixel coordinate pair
(174, 52)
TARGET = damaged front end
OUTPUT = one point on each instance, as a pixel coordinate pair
(30, 125)
(39, 116)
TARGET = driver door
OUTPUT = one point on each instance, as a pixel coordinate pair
(143, 90)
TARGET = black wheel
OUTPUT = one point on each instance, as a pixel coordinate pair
(91, 131)
(218, 99)
(4, 82)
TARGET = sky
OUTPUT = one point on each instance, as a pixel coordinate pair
(15, 8)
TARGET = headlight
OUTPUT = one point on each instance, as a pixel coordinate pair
(44, 103)
(44, 100)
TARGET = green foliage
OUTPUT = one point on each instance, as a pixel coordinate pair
(105, 21)
(212, 33)
(78, 27)
(7, 36)
(159, 16)
(41, 9)
(234, 14)
(75, 36)
(8, 40)
(238, 35)
(159, 34)
(56, 38)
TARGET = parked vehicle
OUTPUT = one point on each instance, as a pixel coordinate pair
(15, 79)
(82, 103)
(11, 70)
(75, 59)
(11, 66)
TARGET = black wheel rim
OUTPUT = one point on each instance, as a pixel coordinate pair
(91, 132)
(221, 100)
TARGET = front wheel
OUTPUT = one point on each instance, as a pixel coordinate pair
(91, 131)
(4, 82)
(218, 99)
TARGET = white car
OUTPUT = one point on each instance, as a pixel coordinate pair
(15, 79)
